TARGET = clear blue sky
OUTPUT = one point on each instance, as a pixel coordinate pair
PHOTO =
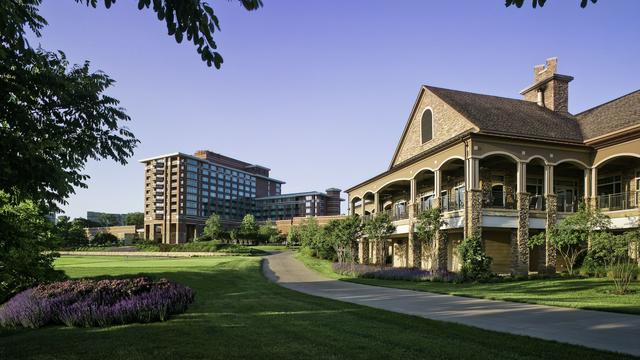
(319, 91)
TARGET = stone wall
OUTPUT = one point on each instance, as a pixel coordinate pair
(447, 123)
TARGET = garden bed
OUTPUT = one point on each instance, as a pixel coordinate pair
(87, 303)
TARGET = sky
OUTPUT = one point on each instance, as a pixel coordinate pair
(320, 91)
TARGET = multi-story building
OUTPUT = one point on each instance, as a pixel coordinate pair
(504, 169)
(182, 191)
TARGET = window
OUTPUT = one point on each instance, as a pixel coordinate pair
(426, 125)
(609, 185)
(444, 200)
(459, 196)
(535, 186)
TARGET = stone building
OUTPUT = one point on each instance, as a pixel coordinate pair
(505, 169)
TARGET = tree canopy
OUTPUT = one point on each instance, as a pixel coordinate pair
(535, 3)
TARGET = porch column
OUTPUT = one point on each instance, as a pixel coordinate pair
(376, 202)
(363, 251)
(362, 205)
(473, 199)
(552, 218)
(520, 249)
(437, 252)
(594, 188)
(413, 243)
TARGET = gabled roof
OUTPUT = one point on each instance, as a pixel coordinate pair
(611, 116)
(507, 116)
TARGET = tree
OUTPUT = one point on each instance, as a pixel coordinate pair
(378, 229)
(427, 225)
(518, 3)
(293, 237)
(106, 220)
(25, 237)
(69, 233)
(212, 227)
(248, 227)
(104, 238)
(84, 223)
(342, 235)
(476, 265)
(573, 234)
(615, 254)
(268, 232)
(135, 218)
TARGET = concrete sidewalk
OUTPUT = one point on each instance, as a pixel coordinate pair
(595, 329)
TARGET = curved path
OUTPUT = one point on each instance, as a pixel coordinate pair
(595, 329)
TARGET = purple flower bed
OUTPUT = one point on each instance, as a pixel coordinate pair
(96, 303)
(392, 273)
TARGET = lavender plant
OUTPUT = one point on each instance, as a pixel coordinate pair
(85, 303)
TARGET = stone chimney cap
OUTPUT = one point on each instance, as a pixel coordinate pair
(540, 83)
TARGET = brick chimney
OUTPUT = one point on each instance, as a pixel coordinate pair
(549, 89)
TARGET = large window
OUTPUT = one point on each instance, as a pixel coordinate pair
(426, 126)
(609, 185)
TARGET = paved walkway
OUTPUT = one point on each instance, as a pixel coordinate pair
(595, 329)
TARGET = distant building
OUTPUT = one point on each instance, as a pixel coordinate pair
(182, 191)
(96, 216)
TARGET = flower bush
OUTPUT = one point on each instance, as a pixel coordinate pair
(391, 273)
(85, 303)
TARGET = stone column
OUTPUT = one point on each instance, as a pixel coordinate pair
(413, 243)
(363, 251)
(438, 249)
(594, 188)
(362, 205)
(520, 253)
(376, 202)
(551, 200)
(473, 199)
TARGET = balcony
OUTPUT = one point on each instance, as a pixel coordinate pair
(497, 200)
(537, 202)
(618, 201)
(567, 203)
(397, 214)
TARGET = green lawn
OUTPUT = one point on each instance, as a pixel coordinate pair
(594, 294)
(238, 314)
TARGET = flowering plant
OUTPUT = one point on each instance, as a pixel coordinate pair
(96, 303)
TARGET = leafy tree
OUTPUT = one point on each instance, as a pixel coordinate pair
(572, 235)
(248, 227)
(213, 227)
(293, 237)
(69, 233)
(519, 3)
(135, 218)
(104, 238)
(476, 265)
(378, 229)
(427, 225)
(614, 252)
(84, 223)
(106, 220)
(342, 234)
(25, 237)
(268, 232)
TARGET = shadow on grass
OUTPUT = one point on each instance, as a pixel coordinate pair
(239, 314)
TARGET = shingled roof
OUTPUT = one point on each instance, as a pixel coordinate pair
(614, 115)
(506, 116)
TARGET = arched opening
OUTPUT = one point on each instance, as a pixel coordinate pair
(617, 184)
(426, 125)
(568, 183)
(355, 206)
(535, 184)
(452, 185)
(498, 181)
(369, 205)
(394, 199)
(425, 184)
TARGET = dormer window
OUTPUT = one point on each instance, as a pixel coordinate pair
(426, 125)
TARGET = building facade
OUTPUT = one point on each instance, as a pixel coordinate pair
(99, 217)
(182, 191)
(504, 169)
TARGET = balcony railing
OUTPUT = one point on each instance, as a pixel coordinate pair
(497, 200)
(398, 214)
(619, 201)
(567, 203)
(537, 202)
(448, 203)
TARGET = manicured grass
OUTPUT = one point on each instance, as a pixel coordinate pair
(239, 314)
(270, 247)
(593, 294)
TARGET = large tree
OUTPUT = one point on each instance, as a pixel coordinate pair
(378, 229)
(535, 3)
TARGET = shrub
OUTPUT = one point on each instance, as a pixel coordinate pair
(86, 303)
(391, 273)
(104, 238)
(476, 265)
